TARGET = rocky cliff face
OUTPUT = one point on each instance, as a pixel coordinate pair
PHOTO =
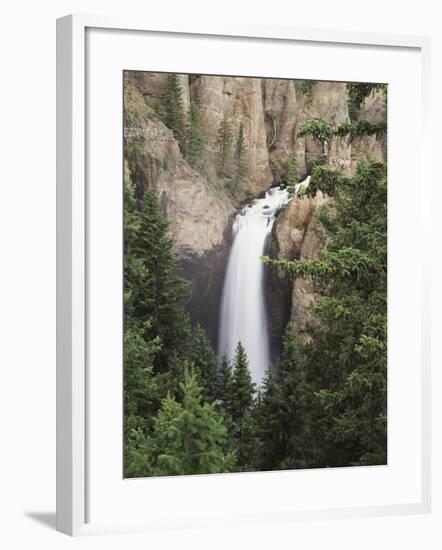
(374, 109)
(200, 209)
(282, 112)
(293, 235)
(198, 217)
(296, 240)
(240, 100)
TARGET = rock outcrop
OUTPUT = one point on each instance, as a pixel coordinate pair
(296, 240)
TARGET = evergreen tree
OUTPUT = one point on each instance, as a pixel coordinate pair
(298, 421)
(242, 388)
(195, 140)
(269, 419)
(292, 176)
(141, 398)
(347, 354)
(286, 409)
(204, 361)
(240, 154)
(224, 146)
(137, 453)
(224, 381)
(140, 391)
(317, 128)
(245, 442)
(240, 409)
(188, 437)
(155, 328)
(173, 102)
(153, 289)
(223, 394)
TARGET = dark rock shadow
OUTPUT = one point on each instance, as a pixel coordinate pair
(44, 518)
(206, 275)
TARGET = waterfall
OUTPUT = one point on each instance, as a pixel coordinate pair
(243, 314)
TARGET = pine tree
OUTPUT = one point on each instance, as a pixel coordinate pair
(204, 361)
(285, 415)
(242, 387)
(269, 420)
(141, 397)
(240, 154)
(240, 409)
(153, 289)
(292, 176)
(189, 437)
(224, 381)
(224, 145)
(347, 355)
(138, 454)
(298, 406)
(140, 391)
(195, 140)
(173, 103)
(152, 293)
(156, 331)
(246, 443)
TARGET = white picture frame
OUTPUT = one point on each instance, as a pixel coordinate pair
(75, 477)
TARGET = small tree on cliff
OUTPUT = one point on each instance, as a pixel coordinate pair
(195, 140)
(292, 172)
(240, 156)
(174, 109)
(318, 129)
(358, 92)
(224, 146)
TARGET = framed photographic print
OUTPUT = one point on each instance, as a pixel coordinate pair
(235, 243)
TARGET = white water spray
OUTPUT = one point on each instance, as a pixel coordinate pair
(243, 316)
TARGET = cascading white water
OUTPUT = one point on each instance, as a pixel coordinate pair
(243, 315)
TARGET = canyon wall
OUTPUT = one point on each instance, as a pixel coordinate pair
(197, 202)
